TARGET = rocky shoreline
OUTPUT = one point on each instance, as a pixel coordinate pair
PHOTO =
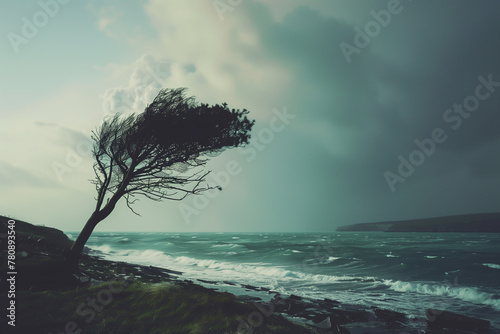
(41, 268)
(321, 316)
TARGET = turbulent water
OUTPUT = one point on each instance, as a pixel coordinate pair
(407, 272)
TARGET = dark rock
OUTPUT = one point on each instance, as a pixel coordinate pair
(280, 304)
(296, 307)
(342, 317)
(330, 301)
(339, 330)
(228, 283)
(319, 318)
(206, 281)
(281, 308)
(168, 271)
(327, 305)
(309, 315)
(294, 297)
(324, 323)
(443, 320)
(250, 287)
(389, 316)
(325, 326)
(248, 299)
(150, 270)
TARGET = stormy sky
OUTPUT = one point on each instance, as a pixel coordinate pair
(365, 110)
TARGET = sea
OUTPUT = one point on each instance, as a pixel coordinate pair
(405, 272)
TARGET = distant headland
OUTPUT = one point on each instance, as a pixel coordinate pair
(479, 222)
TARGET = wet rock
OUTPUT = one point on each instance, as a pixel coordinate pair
(322, 322)
(439, 321)
(389, 316)
(342, 317)
(331, 301)
(339, 330)
(206, 281)
(248, 299)
(250, 287)
(297, 308)
(326, 327)
(168, 271)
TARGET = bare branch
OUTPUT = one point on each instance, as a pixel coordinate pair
(156, 153)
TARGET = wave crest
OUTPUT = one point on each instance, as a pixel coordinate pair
(467, 294)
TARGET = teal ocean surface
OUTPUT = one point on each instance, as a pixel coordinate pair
(406, 272)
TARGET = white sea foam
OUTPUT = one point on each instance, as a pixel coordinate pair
(228, 246)
(220, 268)
(331, 259)
(492, 265)
(103, 249)
(468, 294)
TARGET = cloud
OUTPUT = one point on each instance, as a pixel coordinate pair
(352, 121)
(14, 176)
(64, 136)
(147, 78)
(227, 55)
(107, 17)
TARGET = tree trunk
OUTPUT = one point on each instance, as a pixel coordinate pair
(77, 248)
(96, 217)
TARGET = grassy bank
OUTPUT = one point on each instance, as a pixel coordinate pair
(140, 308)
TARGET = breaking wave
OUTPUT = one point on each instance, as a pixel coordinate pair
(467, 294)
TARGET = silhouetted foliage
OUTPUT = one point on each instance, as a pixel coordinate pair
(159, 153)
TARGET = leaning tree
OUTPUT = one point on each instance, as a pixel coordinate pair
(159, 153)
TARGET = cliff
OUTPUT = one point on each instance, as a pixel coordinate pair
(481, 222)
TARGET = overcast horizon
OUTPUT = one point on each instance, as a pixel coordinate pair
(365, 111)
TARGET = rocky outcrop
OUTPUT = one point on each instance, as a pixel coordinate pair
(480, 222)
(441, 322)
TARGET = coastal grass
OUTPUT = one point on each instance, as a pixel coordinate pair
(141, 308)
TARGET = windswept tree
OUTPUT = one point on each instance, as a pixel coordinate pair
(159, 153)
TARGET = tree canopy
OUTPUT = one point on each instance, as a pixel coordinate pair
(159, 153)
